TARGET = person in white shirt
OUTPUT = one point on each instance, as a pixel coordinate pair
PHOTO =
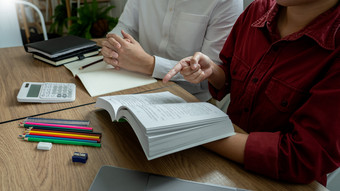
(153, 35)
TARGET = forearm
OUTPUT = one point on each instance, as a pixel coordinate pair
(217, 79)
(231, 147)
(149, 64)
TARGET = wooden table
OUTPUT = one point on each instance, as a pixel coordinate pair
(23, 167)
(17, 66)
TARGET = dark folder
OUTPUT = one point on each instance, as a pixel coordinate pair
(67, 58)
(56, 47)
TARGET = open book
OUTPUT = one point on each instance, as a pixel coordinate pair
(165, 123)
(102, 78)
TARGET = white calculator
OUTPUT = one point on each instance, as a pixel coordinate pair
(47, 92)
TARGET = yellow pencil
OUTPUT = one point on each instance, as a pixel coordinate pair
(64, 134)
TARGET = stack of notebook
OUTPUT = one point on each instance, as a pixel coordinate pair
(62, 50)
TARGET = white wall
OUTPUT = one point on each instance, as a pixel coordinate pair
(9, 26)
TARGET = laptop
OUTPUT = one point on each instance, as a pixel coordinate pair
(120, 179)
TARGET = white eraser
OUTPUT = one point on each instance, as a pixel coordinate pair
(44, 146)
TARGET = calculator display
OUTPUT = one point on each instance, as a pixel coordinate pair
(34, 90)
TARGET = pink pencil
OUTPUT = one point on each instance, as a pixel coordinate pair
(54, 125)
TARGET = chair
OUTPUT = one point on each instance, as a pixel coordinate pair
(40, 26)
(10, 28)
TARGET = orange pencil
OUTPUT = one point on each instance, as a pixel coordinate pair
(64, 134)
(68, 132)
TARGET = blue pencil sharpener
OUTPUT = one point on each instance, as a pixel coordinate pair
(79, 157)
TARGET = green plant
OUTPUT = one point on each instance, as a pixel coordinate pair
(92, 21)
(59, 19)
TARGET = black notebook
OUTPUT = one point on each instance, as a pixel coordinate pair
(67, 58)
(119, 179)
(56, 47)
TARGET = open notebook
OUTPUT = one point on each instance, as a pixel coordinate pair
(120, 179)
(102, 78)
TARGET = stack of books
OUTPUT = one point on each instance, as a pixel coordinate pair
(63, 50)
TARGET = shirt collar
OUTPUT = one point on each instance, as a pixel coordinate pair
(322, 30)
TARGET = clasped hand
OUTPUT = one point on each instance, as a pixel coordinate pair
(126, 53)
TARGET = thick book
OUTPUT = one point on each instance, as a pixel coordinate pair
(165, 123)
(64, 59)
(55, 47)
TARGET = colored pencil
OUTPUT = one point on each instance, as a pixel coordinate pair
(59, 138)
(59, 131)
(57, 125)
(31, 139)
(62, 134)
(84, 123)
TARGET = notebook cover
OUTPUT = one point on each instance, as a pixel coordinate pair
(59, 46)
(71, 54)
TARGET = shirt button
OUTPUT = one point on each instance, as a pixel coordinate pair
(275, 48)
(254, 80)
(170, 9)
(284, 103)
(233, 72)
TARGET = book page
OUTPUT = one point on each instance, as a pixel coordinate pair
(102, 78)
(136, 99)
(167, 128)
(158, 116)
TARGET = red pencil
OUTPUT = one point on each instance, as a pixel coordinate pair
(63, 135)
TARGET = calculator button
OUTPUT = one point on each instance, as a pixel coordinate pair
(56, 91)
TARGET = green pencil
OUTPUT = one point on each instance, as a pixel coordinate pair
(31, 139)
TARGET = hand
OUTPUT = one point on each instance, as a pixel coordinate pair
(109, 52)
(127, 53)
(194, 69)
